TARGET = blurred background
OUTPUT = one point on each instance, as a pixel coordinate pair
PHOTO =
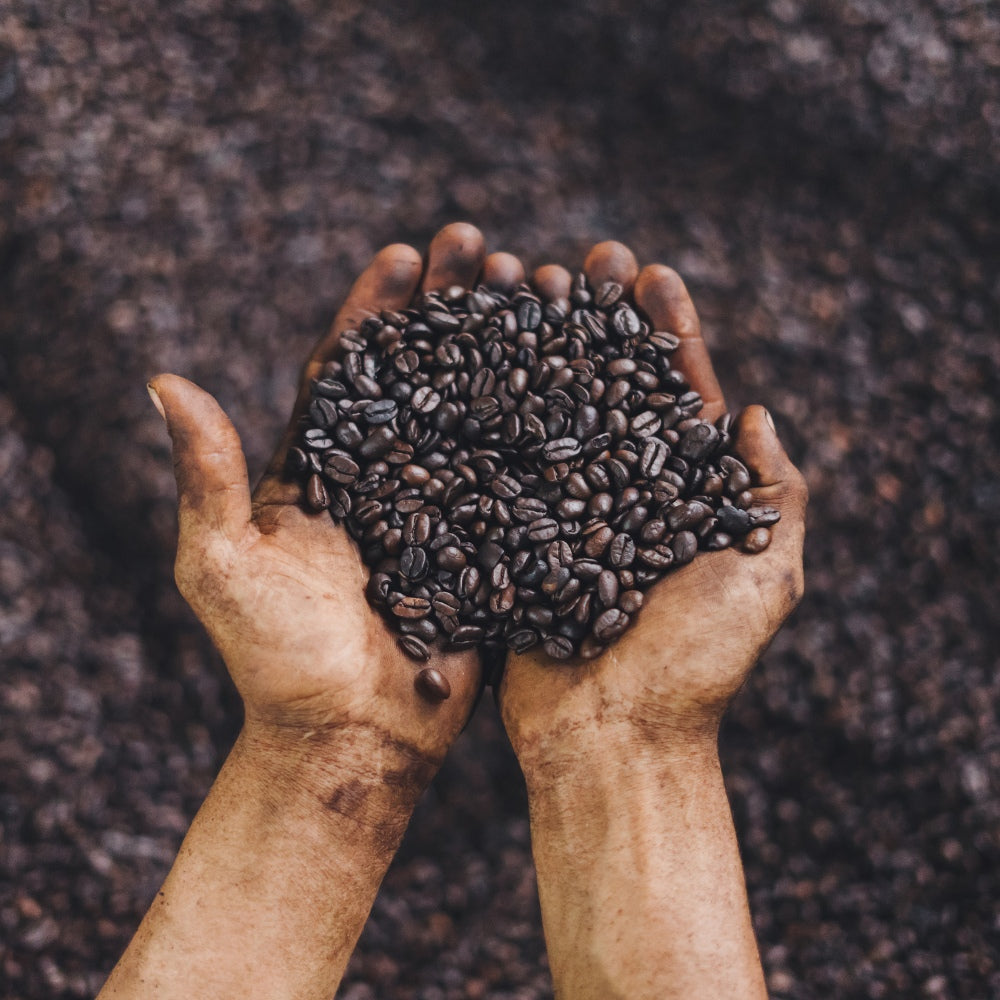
(191, 186)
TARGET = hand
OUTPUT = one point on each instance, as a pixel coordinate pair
(668, 680)
(639, 874)
(280, 590)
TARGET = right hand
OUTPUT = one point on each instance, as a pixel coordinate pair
(666, 683)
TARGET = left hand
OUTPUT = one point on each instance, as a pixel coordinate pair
(281, 591)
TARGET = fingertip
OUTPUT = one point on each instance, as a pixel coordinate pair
(757, 444)
(552, 281)
(661, 293)
(502, 272)
(397, 268)
(611, 261)
(455, 257)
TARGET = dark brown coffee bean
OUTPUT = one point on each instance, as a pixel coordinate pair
(432, 684)
(699, 442)
(659, 557)
(610, 625)
(576, 486)
(543, 530)
(631, 601)
(763, 517)
(558, 647)
(591, 648)
(607, 588)
(523, 639)
(489, 555)
(625, 322)
(736, 473)
(654, 453)
(417, 529)
(687, 515)
(733, 521)
(607, 295)
(414, 647)
(381, 411)
(451, 558)
(412, 607)
(756, 540)
(529, 314)
(316, 495)
(684, 546)
(466, 636)
(622, 551)
(598, 541)
(413, 563)
(561, 449)
(586, 569)
(426, 400)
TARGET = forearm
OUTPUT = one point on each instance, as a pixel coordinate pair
(639, 877)
(276, 876)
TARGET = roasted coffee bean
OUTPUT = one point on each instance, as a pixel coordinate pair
(543, 530)
(316, 495)
(654, 453)
(432, 684)
(756, 540)
(607, 295)
(561, 449)
(381, 411)
(451, 558)
(763, 517)
(687, 515)
(414, 647)
(413, 563)
(558, 647)
(621, 551)
(523, 639)
(412, 607)
(463, 439)
(733, 521)
(466, 636)
(610, 625)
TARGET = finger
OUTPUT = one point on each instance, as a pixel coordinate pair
(775, 479)
(455, 257)
(213, 494)
(502, 272)
(389, 282)
(611, 261)
(552, 282)
(661, 295)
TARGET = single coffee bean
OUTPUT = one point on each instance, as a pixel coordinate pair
(414, 647)
(432, 684)
(699, 442)
(466, 636)
(316, 495)
(558, 647)
(610, 625)
(733, 521)
(756, 540)
(607, 588)
(631, 601)
(412, 607)
(561, 449)
(413, 563)
(622, 551)
(381, 411)
(684, 546)
(543, 530)
(607, 295)
(523, 639)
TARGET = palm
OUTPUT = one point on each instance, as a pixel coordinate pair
(702, 627)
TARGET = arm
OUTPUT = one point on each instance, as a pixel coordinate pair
(278, 872)
(639, 874)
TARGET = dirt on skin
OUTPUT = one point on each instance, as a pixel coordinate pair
(191, 186)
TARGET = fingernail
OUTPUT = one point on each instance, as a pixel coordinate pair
(156, 400)
(770, 421)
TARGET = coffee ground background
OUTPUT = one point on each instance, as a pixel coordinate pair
(191, 187)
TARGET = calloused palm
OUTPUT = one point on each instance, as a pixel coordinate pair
(280, 590)
(702, 627)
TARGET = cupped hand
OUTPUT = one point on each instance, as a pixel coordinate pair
(668, 680)
(281, 590)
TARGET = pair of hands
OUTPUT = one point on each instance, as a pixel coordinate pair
(280, 590)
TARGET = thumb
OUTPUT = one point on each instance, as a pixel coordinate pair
(213, 494)
(775, 479)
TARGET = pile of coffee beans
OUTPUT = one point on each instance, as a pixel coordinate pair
(517, 471)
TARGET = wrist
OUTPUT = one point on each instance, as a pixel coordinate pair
(350, 774)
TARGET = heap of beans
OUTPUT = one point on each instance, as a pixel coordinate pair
(517, 472)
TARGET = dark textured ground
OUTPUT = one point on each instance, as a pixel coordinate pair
(191, 186)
